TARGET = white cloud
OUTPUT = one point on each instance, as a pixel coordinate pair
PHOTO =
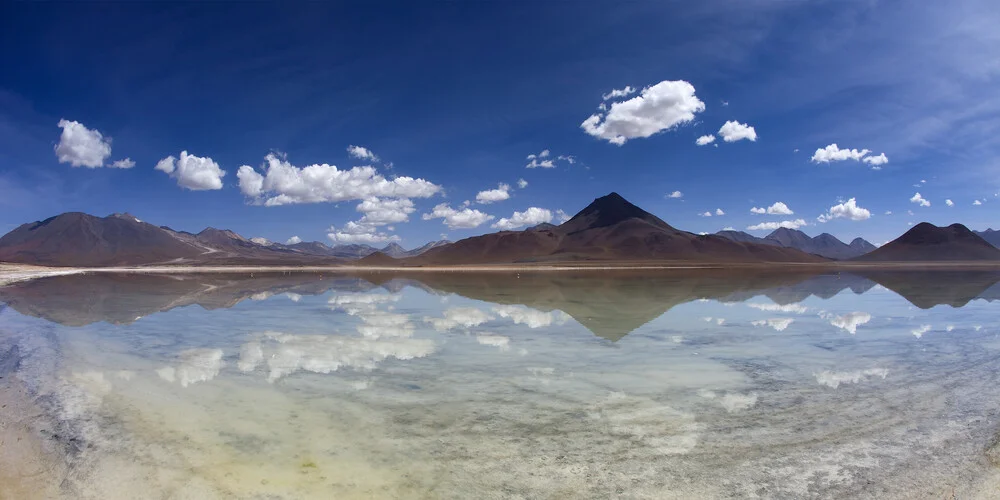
(384, 211)
(659, 107)
(779, 324)
(977, 203)
(285, 184)
(718, 211)
(293, 240)
(193, 172)
(949, 203)
(530, 217)
(705, 214)
(123, 163)
(361, 153)
(493, 195)
(562, 216)
(80, 146)
(705, 139)
(846, 210)
(521, 183)
(733, 131)
(675, 194)
(536, 163)
(771, 226)
(834, 153)
(919, 200)
(779, 208)
(465, 218)
(545, 160)
(851, 321)
(355, 233)
(876, 161)
(618, 93)
(729, 228)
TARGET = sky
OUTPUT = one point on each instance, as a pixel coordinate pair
(376, 122)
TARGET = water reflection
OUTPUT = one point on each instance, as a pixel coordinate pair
(584, 385)
(609, 306)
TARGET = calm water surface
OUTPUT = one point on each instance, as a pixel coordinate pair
(668, 385)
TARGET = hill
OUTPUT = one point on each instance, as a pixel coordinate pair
(927, 242)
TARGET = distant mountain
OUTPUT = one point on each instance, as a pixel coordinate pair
(927, 242)
(825, 245)
(426, 247)
(394, 250)
(610, 228)
(990, 235)
(742, 237)
(352, 251)
(78, 239)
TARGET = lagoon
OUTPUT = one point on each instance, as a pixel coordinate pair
(666, 384)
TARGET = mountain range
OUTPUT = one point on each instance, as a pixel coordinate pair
(824, 245)
(610, 229)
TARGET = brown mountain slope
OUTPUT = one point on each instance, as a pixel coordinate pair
(78, 239)
(610, 228)
(927, 242)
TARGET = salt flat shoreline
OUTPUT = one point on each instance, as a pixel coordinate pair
(12, 273)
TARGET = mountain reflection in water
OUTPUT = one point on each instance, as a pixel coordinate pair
(608, 304)
(638, 384)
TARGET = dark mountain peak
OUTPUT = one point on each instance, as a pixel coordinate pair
(607, 211)
(827, 238)
(927, 233)
(545, 226)
(862, 244)
(927, 242)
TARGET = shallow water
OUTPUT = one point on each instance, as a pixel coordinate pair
(550, 385)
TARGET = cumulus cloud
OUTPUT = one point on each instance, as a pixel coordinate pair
(705, 139)
(705, 214)
(530, 217)
(384, 211)
(846, 210)
(675, 194)
(80, 146)
(615, 93)
(771, 226)
(536, 163)
(977, 202)
(567, 158)
(123, 163)
(949, 203)
(284, 184)
(193, 172)
(361, 153)
(657, 108)
(521, 183)
(718, 211)
(834, 153)
(465, 218)
(876, 161)
(562, 216)
(733, 131)
(779, 208)
(493, 195)
(919, 200)
(293, 240)
(356, 233)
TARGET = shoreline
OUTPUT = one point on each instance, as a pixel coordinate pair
(13, 273)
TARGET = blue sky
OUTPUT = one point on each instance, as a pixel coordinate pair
(452, 98)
